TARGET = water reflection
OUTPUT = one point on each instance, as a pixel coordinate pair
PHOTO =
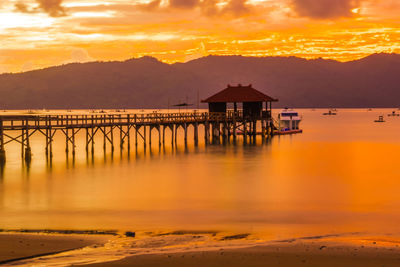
(340, 174)
(2, 166)
(136, 154)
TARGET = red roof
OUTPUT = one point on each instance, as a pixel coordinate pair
(239, 94)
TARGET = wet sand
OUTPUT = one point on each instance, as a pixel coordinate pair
(201, 249)
(278, 254)
(22, 246)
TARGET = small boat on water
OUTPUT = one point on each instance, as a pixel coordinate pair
(329, 113)
(393, 114)
(380, 119)
(288, 122)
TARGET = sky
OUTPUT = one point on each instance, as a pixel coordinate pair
(41, 33)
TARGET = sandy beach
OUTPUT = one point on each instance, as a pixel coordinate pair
(18, 246)
(197, 249)
(293, 254)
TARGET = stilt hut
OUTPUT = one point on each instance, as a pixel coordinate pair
(255, 104)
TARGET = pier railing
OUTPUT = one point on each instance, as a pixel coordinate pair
(215, 125)
(15, 122)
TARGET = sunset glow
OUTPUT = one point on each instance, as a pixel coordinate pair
(42, 33)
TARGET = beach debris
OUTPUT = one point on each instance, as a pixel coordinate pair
(322, 247)
(233, 237)
(184, 232)
(64, 232)
(130, 234)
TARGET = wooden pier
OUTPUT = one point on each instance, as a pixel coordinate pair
(139, 127)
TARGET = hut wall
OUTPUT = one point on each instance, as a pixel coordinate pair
(252, 109)
(217, 107)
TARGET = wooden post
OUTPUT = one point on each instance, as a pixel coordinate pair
(244, 131)
(176, 133)
(112, 138)
(136, 135)
(50, 133)
(207, 132)
(254, 131)
(215, 128)
(47, 135)
(159, 135)
(73, 142)
(224, 130)
(2, 151)
(185, 129)
(234, 130)
(263, 128)
(150, 128)
(28, 152)
(144, 136)
(87, 139)
(196, 133)
(128, 133)
(66, 135)
(172, 134)
(163, 135)
(51, 141)
(23, 140)
(121, 141)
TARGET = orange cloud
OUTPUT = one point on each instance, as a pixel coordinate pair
(323, 9)
(53, 8)
(44, 33)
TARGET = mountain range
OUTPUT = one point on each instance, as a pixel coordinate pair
(373, 81)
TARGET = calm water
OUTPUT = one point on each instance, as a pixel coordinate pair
(341, 175)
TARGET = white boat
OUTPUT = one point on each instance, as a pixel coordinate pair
(289, 121)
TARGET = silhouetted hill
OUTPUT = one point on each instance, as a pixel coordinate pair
(373, 81)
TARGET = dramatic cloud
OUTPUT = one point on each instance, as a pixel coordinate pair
(210, 7)
(181, 30)
(325, 9)
(21, 7)
(184, 3)
(52, 7)
(237, 7)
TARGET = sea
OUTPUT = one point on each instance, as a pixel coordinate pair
(341, 175)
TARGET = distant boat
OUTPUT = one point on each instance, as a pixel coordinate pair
(394, 114)
(329, 113)
(380, 119)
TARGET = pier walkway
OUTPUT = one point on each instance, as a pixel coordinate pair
(20, 128)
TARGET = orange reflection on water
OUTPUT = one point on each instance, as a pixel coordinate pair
(340, 175)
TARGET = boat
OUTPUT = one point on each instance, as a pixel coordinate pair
(288, 122)
(380, 119)
(394, 114)
(329, 113)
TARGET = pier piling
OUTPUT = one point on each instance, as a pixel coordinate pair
(216, 125)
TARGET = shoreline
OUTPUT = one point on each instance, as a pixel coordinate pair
(198, 248)
(314, 254)
(23, 245)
